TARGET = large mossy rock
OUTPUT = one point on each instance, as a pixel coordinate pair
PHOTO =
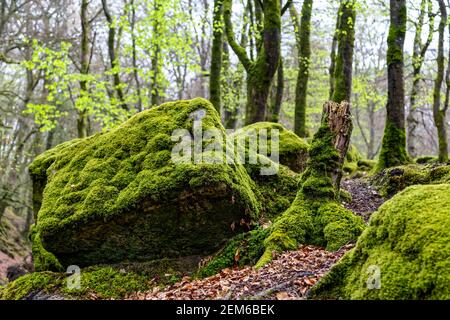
(293, 150)
(393, 180)
(118, 196)
(407, 243)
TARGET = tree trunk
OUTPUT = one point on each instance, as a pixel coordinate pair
(232, 87)
(134, 55)
(260, 73)
(82, 120)
(438, 113)
(216, 56)
(393, 150)
(418, 58)
(344, 59)
(113, 57)
(276, 100)
(333, 52)
(337, 118)
(303, 35)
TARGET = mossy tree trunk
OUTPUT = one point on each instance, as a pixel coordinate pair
(316, 216)
(276, 99)
(333, 53)
(216, 56)
(418, 58)
(328, 150)
(303, 40)
(439, 114)
(261, 71)
(393, 149)
(82, 119)
(344, 58)
(113, 55)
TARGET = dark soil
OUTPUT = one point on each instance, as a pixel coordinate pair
(365, 199)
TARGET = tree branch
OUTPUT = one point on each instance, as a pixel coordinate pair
(238, 50)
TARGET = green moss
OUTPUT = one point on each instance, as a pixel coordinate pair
(244, 249)
(351, 160)
(102, 282)
(276, 192)
(30, 283)
(107, 283)
(345, 196)
(393, 151)
(408, 239)
(43, 260)
(315, 217)
(326, 224)
(293, 150)
(118, 196)
(426, 160)
(393, 180)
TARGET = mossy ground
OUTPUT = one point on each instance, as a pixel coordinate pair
(408, 239)
(393, 180)
(100, 188)
(113, 281)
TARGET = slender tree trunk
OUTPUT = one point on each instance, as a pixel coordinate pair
(344, 59)
(216, 56)
(155, 59)
(134, 55)
(276, 99)
(417, 62)
(438, 113)
(113, 57)
(260, 73)
(82, 121)
(393, 150)
(333, 52)
(303, 35)
(232, 86)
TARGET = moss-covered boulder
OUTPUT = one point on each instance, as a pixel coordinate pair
(293, 150)
(393, 180)
(119, 196)
(407, 245)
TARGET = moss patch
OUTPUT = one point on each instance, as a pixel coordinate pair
(293, 150)
(393, 180)
(99, 282)
(408, 239)
(118, 196)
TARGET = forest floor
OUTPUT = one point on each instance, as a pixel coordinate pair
(288, 277)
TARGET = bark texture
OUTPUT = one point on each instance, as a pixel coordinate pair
(393, 150)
